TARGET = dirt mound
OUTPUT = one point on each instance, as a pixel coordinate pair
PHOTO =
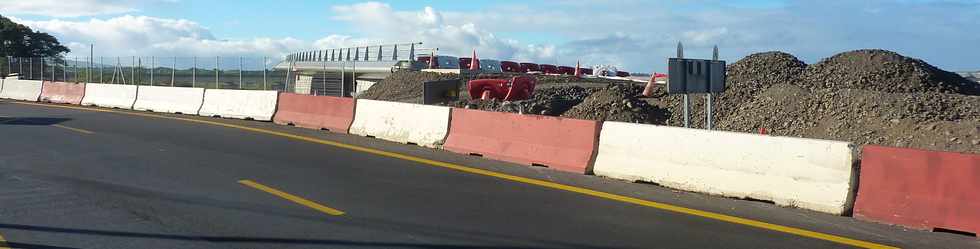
(403, 86)
(745, 79)
(886, 71)
(617, 103)
(938, 121)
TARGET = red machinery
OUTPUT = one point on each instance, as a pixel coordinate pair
(566, 70)
(510, 66)
(517, 88)
(548, 69)
(529, 67)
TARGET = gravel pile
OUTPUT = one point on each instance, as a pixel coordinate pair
(745, 79)
(770, 91)
(617, 103)
(404, 86)
(937, 121)
(885, 71)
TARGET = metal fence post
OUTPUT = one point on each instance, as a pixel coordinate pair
(42, 68)
(173, 72)
(194, 73)
(101, 69)
(64, 71)
(241, 68)
(74, 69)
(265, 80)
(153, 62)
(133, 69)
(324, 85)
(217, 68)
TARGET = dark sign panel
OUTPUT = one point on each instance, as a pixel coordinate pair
(695, 76)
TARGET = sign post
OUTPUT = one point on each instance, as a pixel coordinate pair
(687, 76)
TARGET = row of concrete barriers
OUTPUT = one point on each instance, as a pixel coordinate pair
(915, 188)
(243, 104)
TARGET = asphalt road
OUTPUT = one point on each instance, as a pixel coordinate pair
(73, 178)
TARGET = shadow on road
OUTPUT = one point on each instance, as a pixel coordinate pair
(31, 120)
(226, 239)
(475, 236)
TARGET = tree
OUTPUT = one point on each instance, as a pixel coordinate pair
(18, 40)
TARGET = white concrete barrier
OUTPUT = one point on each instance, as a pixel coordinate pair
(184, 100)
(243, 104)
(18, 89)
(110, 95)
(424, 125)
(806, 173)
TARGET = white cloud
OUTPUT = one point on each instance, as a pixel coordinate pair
(454, 37)
(144, 36)
(69, 8)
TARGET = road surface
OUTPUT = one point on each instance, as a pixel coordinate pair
(78, 177)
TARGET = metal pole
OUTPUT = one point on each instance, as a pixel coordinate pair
(133, 69)
(343, 75)
(91, 60)
(42, 68)
(216, 69)
(153, 62)
(241, 68)
(64, 71)
(289, 70)
(324, 65)
(194, 73)
(74, 69)
(265, 80)
(173, 72)
(101, 68)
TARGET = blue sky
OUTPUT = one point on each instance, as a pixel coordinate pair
(635, 35)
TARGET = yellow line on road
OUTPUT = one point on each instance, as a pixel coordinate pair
(3, 243)
(74, 129)
(547, 184)
(293, 198)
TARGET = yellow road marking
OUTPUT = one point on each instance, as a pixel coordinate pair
(293, 198)
(3, 243)
(73, 129)
(547, 184)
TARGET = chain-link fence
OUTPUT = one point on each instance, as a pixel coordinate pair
(252, 73)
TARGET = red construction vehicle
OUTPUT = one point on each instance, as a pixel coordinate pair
(517, 88)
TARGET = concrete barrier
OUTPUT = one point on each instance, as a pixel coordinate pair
(184, 100)
(806, 173)
(29, 90)
(315, 112)
(558, 143)
(110, 95)
(401, 122)
(242, 104)
(920, 189)
(62, 92)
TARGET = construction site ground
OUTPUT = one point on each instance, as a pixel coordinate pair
(863, 96)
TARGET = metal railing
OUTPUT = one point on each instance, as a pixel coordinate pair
(387, 52)
(254, 73)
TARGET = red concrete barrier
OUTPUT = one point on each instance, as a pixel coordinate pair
(315, 112)
(62, 92)
(919, 189)
(558, 143)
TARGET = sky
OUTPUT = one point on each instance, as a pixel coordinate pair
(633, 35)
